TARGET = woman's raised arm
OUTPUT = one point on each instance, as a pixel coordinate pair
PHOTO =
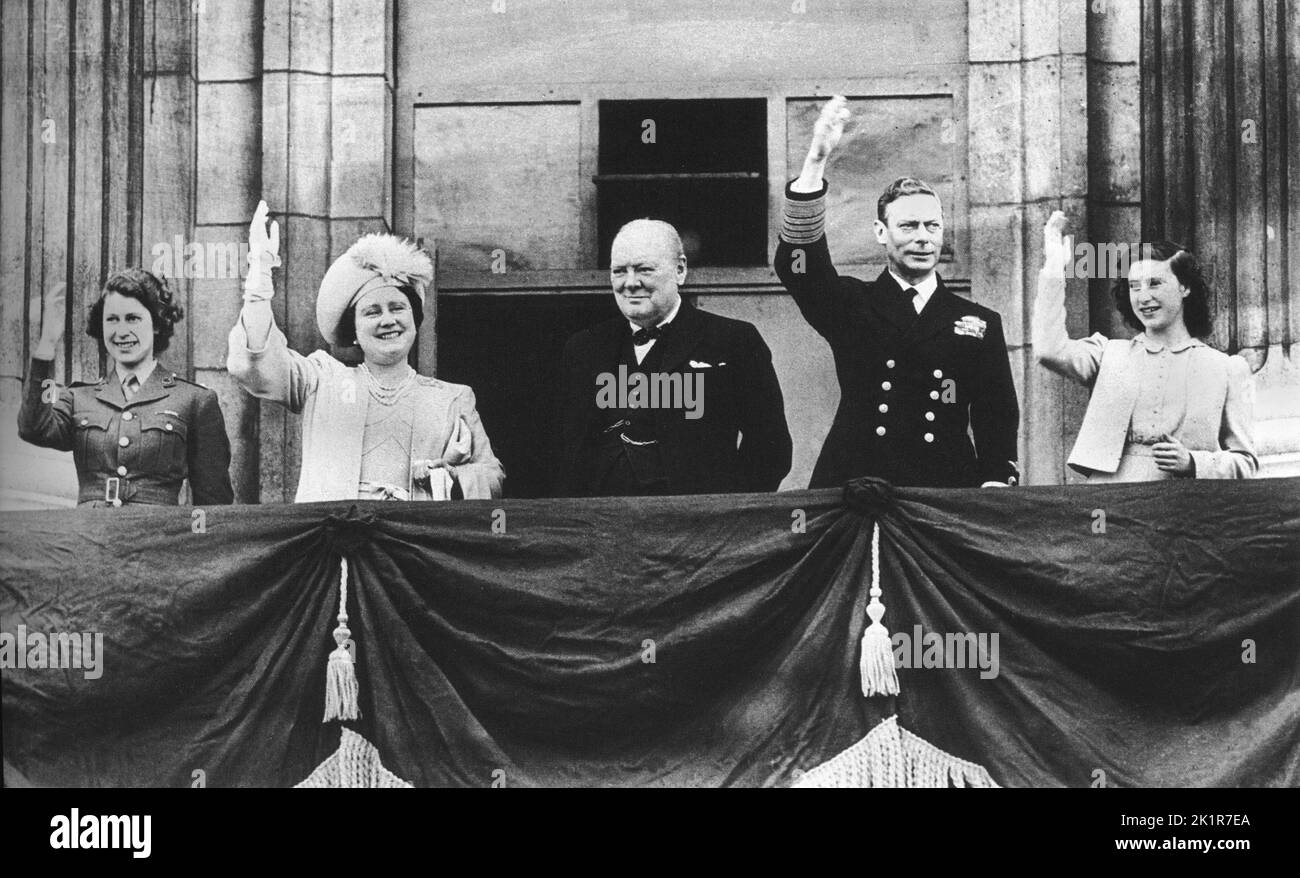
(259, 356)
(1077, 359)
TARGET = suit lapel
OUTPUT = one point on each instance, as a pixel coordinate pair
(157, 387)
(609, 345)
(885, 298)
(937, 315)
(111, 392)
(679, 341)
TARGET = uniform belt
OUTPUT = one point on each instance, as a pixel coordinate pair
(105, 491)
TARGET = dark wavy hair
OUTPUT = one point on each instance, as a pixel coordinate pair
(150, 291)
(1187, 268)
(901, 187)
(347, 334)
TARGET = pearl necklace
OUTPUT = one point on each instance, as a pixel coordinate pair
(387, 395)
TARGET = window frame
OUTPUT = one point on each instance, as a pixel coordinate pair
(702, 280)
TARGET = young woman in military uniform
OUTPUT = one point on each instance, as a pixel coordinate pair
(139, 431)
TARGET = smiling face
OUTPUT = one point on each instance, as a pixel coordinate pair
(385, 325)
(1156, 294)
(127, 330)
(912, 234)
(645, 271)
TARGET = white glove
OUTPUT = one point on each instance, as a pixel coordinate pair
(1057, 246)
(263, 255)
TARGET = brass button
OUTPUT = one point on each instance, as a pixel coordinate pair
(167, 427)
(938, 373)
(85, 421)
(880, 431)
(929, 416)
(126, 416)
(124, 442)
(116, 502)
(934, 394)
(929, 437)
(121, 470)
(885, 385)
(889, 364)
(883, 408)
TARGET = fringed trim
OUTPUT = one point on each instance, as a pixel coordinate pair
(893, 757)
(341, 688)
(354, 765)
(876, 665)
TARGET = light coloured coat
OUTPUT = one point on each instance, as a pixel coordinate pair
(1217, 428)
(333, 399)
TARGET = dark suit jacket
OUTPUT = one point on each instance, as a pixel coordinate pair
(741, 398)
(913, 390)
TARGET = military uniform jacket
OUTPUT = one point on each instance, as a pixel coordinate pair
(741, 443)
(134, 452)
(925, 400)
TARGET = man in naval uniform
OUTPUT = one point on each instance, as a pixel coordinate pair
(926, 395)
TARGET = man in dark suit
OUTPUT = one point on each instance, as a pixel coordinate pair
(926, 395)
(668, 399)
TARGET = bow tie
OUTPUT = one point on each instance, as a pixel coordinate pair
(645, 336)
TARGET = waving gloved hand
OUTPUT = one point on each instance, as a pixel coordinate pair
(263, 255)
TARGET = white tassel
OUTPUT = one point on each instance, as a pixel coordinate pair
(877, 662)
(340, 675)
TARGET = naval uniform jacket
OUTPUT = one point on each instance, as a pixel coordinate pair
(925, 400)
(136, 452)
(740, 444)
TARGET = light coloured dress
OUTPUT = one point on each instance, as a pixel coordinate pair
(353, 446)
(1143, 390)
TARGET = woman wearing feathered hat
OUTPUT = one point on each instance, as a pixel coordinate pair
(378, 431)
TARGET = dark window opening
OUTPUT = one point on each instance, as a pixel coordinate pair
(508, 349)
(698, 164)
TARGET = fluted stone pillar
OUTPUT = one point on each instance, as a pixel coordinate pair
(1028, 100)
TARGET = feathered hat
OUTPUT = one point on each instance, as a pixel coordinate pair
(375, 261)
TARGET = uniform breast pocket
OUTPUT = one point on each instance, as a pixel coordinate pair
(91, 435)
(164, 438)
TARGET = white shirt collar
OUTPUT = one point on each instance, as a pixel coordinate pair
(926, 287)
(669, 319)
(141, 372)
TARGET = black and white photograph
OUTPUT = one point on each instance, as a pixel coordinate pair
(672, 393)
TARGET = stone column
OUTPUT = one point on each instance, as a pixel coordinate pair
(327, 98)
(1114, 141)
(1028, 151)
(228, 174)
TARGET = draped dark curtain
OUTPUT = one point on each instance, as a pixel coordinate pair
(1147, 635)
